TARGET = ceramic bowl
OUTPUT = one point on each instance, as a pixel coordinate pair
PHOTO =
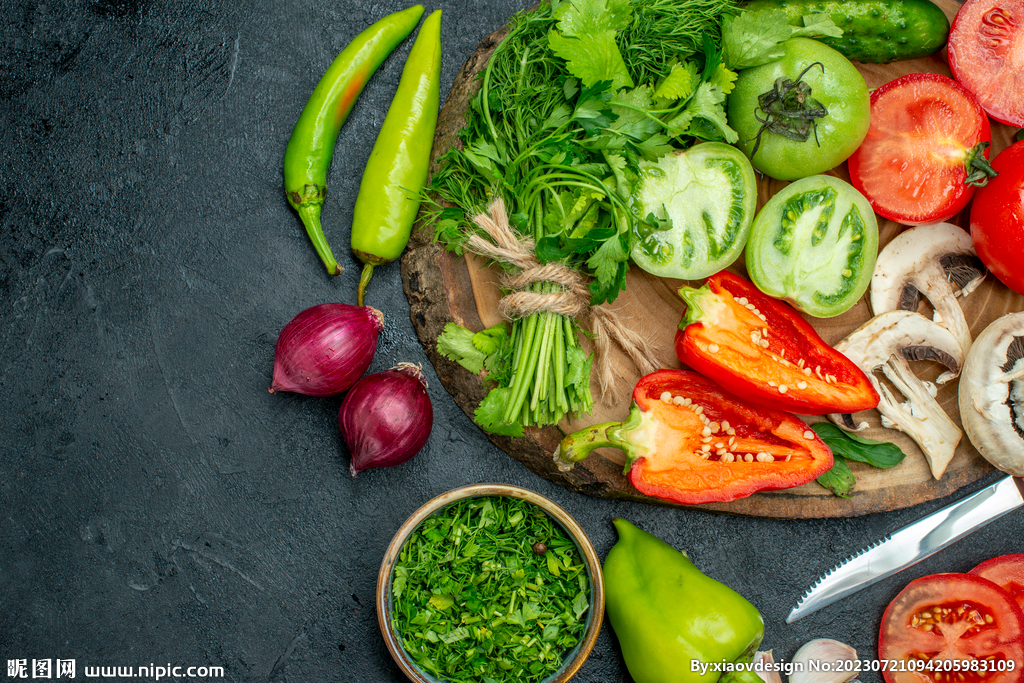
(574, 659)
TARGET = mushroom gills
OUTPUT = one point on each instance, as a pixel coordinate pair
(937, 262)
(889, 342)
(965, 271)
(1015, 396)
(992, 394)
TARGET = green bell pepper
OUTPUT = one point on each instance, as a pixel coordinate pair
(670, 618)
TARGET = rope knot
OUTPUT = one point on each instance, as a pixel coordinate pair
(570, 295)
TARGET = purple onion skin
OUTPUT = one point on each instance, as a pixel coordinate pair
(324, 349)
(386, 418)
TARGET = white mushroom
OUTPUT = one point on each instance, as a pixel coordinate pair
(937, 261)
(992, 394)
(888, 342)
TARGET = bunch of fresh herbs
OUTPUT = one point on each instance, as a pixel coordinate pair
(489, 589)
(572, 100)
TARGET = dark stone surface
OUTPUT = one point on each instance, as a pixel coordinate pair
(159, 506)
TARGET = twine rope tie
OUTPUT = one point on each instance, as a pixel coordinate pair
(573, 299)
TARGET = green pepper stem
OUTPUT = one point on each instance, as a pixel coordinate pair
(310, 215)
(579, 445)
(621, 435)
(364, 279)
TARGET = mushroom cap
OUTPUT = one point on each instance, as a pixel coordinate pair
(937, 261)
(991, 394)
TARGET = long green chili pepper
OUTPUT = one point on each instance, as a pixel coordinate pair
(311, 145)
(389, 194)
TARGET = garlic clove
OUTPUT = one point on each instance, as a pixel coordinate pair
(766, 668)
(822, 661)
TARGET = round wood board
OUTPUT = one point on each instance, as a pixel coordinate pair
(442, 288)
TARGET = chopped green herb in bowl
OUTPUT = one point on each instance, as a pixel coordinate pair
(490, 583)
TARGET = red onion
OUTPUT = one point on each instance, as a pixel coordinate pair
(386, 418)
(325, 349)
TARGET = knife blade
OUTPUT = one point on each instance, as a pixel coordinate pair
(911, 544)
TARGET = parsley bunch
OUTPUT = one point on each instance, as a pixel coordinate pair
(577, 94)
(474, 600)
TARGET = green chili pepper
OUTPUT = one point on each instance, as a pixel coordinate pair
(388, 197)
(311, 145)
(673, 622)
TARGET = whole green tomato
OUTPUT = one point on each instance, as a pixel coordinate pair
(835, 111)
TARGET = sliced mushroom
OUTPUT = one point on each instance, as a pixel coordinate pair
(888, 342)
(992, 394)
(937, 261)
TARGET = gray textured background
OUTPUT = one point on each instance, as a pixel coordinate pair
(158, 504)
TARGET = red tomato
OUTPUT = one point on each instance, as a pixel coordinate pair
(1007, 571)
(997, 219)
(985, 45)
(941, 621)
(918, 163)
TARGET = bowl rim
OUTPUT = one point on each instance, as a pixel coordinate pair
(575, 531)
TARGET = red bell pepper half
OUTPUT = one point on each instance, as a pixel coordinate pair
(761, 349)
(687, 440)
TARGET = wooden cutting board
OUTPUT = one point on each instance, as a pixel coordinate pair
(442, 288)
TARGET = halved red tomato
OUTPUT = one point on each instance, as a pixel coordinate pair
(986, 54)
(925, 150)
(952, 628)
(1007, 571)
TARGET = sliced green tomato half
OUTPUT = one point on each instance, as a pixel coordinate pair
(814, 245)
(704, 201)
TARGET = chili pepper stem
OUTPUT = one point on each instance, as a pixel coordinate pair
(364, 279)
(310, 215)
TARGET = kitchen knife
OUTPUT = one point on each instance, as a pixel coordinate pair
(911, 544)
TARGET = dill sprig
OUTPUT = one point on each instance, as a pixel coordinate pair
(665, 31)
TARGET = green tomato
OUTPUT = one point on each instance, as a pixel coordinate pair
(814, 244)
(703, 202)
(834, 83)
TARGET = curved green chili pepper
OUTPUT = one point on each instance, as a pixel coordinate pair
(311, 145)
(388, 197)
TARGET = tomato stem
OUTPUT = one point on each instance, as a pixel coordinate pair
(789, 110)
(979, 170)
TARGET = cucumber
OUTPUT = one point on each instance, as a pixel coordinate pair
(874, 31)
